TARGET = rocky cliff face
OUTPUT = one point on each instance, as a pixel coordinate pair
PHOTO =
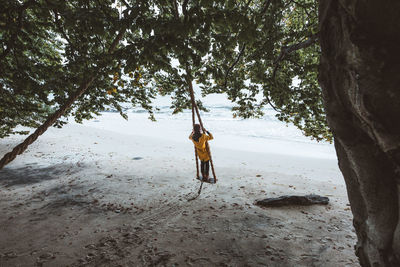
(360, 78)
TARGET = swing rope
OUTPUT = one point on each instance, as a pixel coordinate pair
(195, 151)
(196, 109)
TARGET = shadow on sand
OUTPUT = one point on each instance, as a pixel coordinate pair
(32, 174)
(52, 198)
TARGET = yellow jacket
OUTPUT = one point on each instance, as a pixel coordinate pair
(201, 146)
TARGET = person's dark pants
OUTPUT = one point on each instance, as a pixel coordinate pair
(205, 167)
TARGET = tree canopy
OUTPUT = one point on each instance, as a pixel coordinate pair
(250, 50)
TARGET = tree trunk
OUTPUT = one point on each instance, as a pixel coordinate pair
(360, 79)
(19, 149)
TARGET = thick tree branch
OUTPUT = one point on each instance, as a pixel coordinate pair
(286, 50)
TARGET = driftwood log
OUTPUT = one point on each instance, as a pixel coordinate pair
(293, 201)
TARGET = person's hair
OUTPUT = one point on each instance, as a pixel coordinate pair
(196, 128)
(196, 134)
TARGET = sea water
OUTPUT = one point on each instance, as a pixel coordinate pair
(266, 134)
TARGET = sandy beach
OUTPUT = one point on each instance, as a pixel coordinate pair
(86, 195)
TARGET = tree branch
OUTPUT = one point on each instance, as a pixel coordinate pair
(267, 4)
(233, 65)
(126, 4)
(248, 3)
(270, 103)
(23, 7)
(302, 6)
(184, 9)
(286, 50)
(57, 22)
(176, 11)
(86, 83)
(289, 49)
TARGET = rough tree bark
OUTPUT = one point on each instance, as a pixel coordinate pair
(360, 78)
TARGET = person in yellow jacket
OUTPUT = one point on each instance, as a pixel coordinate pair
(200, 139)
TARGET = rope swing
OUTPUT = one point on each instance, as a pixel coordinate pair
(195, 109)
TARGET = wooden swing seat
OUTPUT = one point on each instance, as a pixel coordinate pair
(209, 181)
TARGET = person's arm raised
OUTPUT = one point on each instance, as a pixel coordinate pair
(210, 136)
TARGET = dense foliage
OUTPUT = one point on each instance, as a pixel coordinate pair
(270, 50)
(49, 48)
(246, 49)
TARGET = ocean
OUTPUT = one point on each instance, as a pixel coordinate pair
(266, 134)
